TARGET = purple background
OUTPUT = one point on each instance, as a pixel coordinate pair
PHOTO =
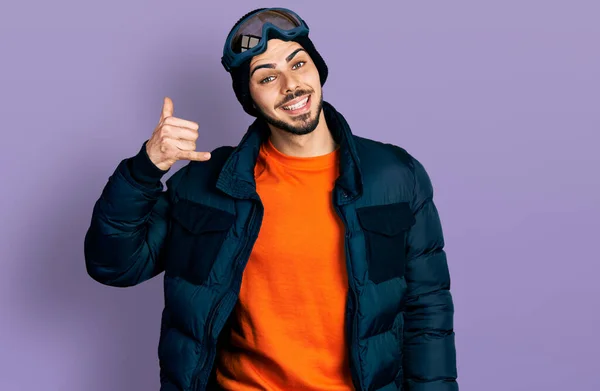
(499, 101)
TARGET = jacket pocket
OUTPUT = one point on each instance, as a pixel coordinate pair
(385, 228)
(196, 234)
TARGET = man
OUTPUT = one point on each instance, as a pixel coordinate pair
(305, 258)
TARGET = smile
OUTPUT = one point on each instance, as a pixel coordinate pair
(298, 107)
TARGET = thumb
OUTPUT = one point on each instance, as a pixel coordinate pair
(167, 109)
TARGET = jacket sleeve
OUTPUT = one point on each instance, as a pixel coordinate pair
(123, 244)
(429, 353)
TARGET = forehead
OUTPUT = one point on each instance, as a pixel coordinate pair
(276, 50)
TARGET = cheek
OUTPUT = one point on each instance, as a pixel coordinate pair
(263, 98)
(256, 95)
(312, 75)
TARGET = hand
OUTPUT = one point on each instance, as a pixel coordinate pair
(173, 139)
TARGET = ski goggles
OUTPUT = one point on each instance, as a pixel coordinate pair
(250, 36)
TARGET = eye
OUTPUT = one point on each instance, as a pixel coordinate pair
(300, 63)
(267, 80)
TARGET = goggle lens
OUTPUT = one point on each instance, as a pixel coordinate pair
(249, 33)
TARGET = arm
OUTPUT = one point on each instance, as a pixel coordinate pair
(129, 224)
(429, 348)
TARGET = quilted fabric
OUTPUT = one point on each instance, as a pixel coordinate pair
(200, 232)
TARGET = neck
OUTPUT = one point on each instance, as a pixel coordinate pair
(316, 143)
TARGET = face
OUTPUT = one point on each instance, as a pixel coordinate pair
(286, 88)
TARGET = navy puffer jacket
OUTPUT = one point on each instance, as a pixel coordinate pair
(200, 232)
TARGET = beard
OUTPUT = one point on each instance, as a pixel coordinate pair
(301, 124)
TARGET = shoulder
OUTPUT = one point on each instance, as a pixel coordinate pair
(378, 158)
(380, 153)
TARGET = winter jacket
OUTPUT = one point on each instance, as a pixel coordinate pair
(201, 230)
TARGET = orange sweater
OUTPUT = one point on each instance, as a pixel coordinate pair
(288, 332)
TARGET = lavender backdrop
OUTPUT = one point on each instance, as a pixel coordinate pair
(499, 101)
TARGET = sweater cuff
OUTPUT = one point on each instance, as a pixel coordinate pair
(143, 170)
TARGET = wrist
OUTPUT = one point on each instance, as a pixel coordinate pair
(143, 170)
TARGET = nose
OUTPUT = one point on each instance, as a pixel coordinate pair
(289, 83)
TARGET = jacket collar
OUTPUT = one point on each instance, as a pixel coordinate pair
(237, 175)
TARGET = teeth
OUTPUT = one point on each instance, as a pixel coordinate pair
(297, 105)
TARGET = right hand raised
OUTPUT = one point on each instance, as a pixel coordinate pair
(173, 139)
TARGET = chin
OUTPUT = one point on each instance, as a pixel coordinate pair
(297, 124)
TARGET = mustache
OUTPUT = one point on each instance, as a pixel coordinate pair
(294, 95)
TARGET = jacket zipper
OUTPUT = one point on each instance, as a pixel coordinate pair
(198, 370)
(203, 380)
(353, 339)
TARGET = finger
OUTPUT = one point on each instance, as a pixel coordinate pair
(185, 145)
(193, 155)
(181, 122)
(177, 132)
(167, 109)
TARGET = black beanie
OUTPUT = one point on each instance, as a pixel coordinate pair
(240, 76)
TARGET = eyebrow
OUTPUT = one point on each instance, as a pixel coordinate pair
(272, 66)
